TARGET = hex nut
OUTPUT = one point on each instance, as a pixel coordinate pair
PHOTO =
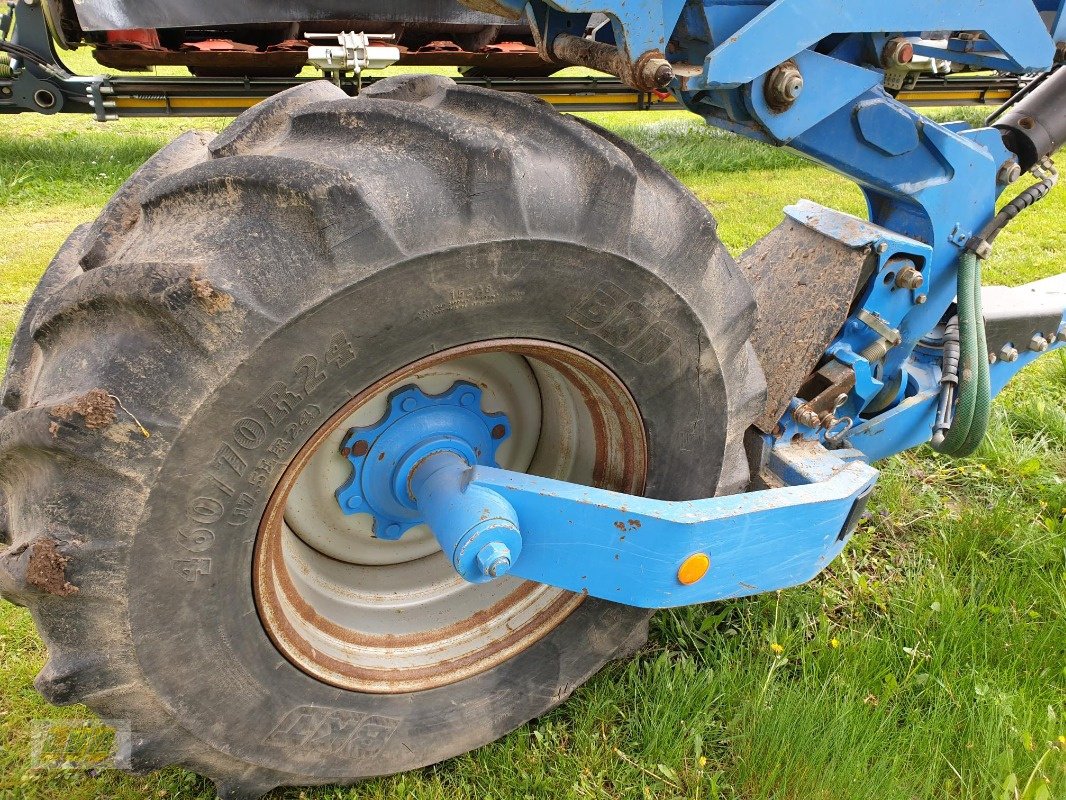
(783, 87)
(1009, 173)
(807, 416)
(494, 559)
(1008, 354)
(910, 278)
(1038, 344)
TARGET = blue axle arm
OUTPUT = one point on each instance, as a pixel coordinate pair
(644, 552)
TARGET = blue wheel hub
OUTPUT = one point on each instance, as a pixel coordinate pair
(409, 469)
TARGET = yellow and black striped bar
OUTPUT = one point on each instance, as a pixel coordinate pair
(226, 97)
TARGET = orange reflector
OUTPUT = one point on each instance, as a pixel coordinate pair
(693, 568)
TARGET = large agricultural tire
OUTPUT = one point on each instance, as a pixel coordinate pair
(185, 355)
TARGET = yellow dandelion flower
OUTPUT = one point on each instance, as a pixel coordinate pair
(703, 759)
(834, 643)
(777, 649)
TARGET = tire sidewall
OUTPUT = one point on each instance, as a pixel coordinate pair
(192, 609)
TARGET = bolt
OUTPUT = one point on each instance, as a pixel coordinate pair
(807, 416)
(409, 404)
(1009, 173)
(921, 299)
(783, 87)
(992, 358)
(910, 278)
(1061, 336)
(897, 53)
(361, 448)
(1038, 344)
(662, 75)
(1008, 354)
(1060, 53)
(882, 248)
(494, 559)
(498, 431)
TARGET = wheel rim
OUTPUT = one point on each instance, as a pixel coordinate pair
(393, 616)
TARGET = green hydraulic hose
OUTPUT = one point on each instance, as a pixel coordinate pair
(975, 389)
(974, 408)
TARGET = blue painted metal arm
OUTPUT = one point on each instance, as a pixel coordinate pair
(630, 549)
(787, 27)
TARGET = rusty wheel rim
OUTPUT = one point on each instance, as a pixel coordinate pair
(392, 617)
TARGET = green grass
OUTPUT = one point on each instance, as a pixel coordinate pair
(928, 662)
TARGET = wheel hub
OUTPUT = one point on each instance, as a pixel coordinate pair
(409, 468)
(415, 425)
(378, 615)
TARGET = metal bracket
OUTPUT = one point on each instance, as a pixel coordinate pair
(352, 53)
(103, 109)
(647, 553)
(1021, 318)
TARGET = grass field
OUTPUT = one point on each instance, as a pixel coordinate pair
(928, 662)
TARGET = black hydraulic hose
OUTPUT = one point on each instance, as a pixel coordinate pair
(28, 55)
(949, 383)
(982, 243)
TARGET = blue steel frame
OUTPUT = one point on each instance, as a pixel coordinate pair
(929, 187)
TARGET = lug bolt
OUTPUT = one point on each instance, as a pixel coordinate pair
(910, 278)
(783, 87)
(494, 559)
(921, 299)
(1038, 344)
(1008, 354)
